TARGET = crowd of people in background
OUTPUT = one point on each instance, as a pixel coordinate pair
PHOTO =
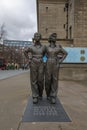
(14, 66)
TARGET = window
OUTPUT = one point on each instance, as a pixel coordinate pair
(64, 9)
(64, 26)
(46, 9)
(46, 30)
(70, 32)
(70, 6)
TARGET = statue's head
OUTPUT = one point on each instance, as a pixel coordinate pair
(52, 38)
(37, 36)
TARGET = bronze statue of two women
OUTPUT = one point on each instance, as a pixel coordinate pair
(37, 73)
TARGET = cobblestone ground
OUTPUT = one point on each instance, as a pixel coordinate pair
(14, 94)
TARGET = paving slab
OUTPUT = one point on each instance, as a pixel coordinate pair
(9, 73)
(74, 100)
(44, 111)
(14, 94)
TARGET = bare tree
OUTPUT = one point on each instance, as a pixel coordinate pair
(2, 32)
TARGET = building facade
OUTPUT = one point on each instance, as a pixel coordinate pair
(67, 18)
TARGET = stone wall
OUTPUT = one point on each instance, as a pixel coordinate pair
(73, 72)
(80, 25)
(71, 19)
(52, 18)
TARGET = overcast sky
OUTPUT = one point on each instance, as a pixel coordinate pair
(19, 18)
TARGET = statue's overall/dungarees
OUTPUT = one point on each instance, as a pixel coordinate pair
(36, 67)
(52, 67)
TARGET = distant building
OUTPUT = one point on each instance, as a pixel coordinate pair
(12, 51)
(17, 43)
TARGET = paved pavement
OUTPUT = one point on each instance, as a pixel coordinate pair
(9, 73)
(14, 94)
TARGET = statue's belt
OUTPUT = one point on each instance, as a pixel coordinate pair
(52, 58)
(34, 59)
(37, 56)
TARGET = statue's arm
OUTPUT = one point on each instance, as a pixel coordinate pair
(28, 55)
(63, 54)
(43, 50)
(26, 52)
(46, 51)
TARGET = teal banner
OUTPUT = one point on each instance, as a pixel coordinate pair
(76, 55)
